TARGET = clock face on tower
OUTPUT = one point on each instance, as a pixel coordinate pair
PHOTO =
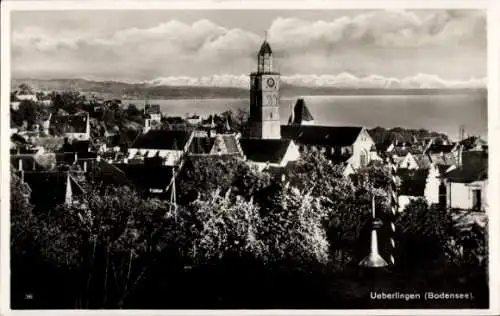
(270, 82)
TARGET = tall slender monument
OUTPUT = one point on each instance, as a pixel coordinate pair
(265, 97)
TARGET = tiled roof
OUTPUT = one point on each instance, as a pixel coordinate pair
(413, 182)
(437, 148)
(300, 113)
(201, 145)
(226, 144)
(162, 139)
(423, 161)
(152, 109)
(472, 142)
(174, 120)
(224, 157)
(447, 159)
(474, 167)
(76, 146)
(321, 135)
(264, 150)
(69, 123)
(147, 177)
(18, 139)
(404, 150)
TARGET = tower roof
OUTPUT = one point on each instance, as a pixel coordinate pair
(301, 113)
(265, 48)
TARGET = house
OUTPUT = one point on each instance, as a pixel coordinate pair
(73, 127)
(352, 145)
(419, 183)
(14, 105)
(194, 119)
(300, 114)
(264, 153)
(51, 188)
(152, 114)
(467, 184)
(165, 147)
(474, 143)
(150, 179)
(414, 161)
(441, 148)
(219, 144)
(26, 97)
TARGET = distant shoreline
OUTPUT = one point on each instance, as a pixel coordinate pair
(129, 91)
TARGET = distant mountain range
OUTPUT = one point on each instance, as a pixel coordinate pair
(155, 90)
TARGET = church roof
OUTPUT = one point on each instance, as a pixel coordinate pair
(265, 48)
(321, 135)
(300, 113)
(162, 139)
(264, 150)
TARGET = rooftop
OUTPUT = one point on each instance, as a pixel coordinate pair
(300, 113)
(162, 139)
(264, 150)
(321, 135)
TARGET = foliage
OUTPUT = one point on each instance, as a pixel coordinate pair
(22, 217)
(220, 227)
(292, 229)
(106, 241)
(201, 177)
(424, 229)
(381, 135)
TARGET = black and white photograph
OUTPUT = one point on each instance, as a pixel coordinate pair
(248, 159)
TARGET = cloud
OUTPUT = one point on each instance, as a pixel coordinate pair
(342, 80)
(382, 29)
(389, 43)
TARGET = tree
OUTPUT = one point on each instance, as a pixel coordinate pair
(201, 177)
(220, 226)
(107, 243)
(25, 89)
(424, 231)
(21, 216)
(292, 227)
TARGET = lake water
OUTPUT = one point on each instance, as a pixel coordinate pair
(440, 113)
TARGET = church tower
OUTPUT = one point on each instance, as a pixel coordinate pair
(264, 97)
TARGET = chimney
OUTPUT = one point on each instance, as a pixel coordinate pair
(76, 157)
(20, 164)
(460, 151)
(85, 166)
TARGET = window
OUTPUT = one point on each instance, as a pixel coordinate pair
(363, 159)
(476, 199)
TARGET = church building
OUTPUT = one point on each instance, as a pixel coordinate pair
(264, 120)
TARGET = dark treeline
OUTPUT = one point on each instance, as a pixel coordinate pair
(238, 238)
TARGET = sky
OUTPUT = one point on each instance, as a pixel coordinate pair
(419, 48)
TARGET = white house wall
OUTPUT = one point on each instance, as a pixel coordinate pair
(431, 191)
(292, 154)
(461, 194)
(363, 143)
